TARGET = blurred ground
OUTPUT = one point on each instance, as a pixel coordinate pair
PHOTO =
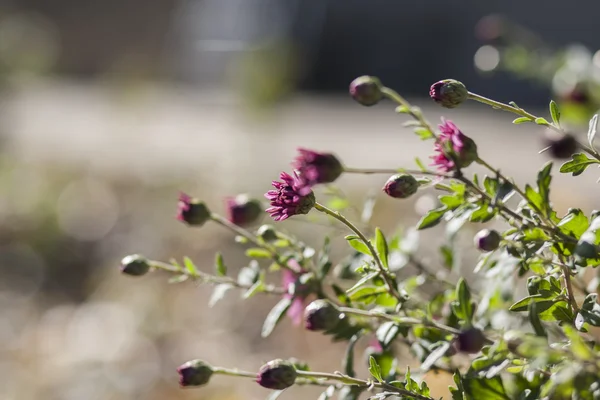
(90, 174)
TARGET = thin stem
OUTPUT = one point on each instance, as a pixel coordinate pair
(523, 113)
(570, 291)
(400, 320)
(394, 96)
(384, 272)
(211, 279)
(370, 171)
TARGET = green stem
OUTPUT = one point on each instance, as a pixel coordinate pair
(384, 272)
(400, 320)
(211, 279)
(415, 113)
(370, 171)
(523, 113)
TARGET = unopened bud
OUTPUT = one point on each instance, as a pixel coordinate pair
(277, 374)
(487, 240)
(560, 146)
(449, 93)
(192, 211)
(401, 186)
(470, 341)
(194, 373)
(135, 265)
(321, 315)
(243, 210)
(366, 90)
(267, 233)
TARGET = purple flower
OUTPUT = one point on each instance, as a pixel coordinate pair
(192, 211)
(242, 210)
(453, 146)
(290, 277)
(314, 168)
(286, 199)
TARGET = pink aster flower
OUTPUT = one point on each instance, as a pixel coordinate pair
(314, 168)
(286, 199)
(453, 146)
(290, 277)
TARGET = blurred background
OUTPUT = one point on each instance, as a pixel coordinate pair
(109, 108)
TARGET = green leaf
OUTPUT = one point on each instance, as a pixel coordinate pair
(220, 265)
(362, 281)
(386, 333)
(434, 356)
(541, 121)
(432, 218)
(523, 304)
(420, 164)
(375, 369)
(218, 293)
(368, 295)
(275, 315)
(348, 364)
(478, 388)
(423, 133)
(463, 308)
(535, 322)
(590, 310)
(358, 245)
(555, 113)
(381, 246)
(577, 164)
(575, 223)
(258, 253)
(593, 128)
(543, 181)
(521, 120)
(533, 197)
(190, 267)
(178, 279)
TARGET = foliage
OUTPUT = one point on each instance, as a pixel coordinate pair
(547, 352)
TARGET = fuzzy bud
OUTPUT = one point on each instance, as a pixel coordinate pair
(366, 90)
(243, 210)
(560, 146)
(401, 186)
(192, 211)
(449, 93)
(277, 374)
(470, 341)
(135, 265)
(267, 233)
(321, 315)
(487, 240)
(194, 373)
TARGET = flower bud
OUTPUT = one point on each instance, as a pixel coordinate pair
(560, 146)
(487, 240)
(194, 373)
(513, 340)
(585, 247)
(192, 211)
(243, 210)
(470, 341)
(135, 265)
(401, 186)
(366, 90)
(321, 315)
(314, 168)
(449, 93)
(277, 374)
(267, 233)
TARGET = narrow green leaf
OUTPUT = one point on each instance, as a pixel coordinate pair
(381, 246)
(555, 113)
(348, 364)
(577, 164)
(463, 307)
(483, 388)
(593, 128)
(178, 279)
(275, 316)
(534, 320)
(218, 294)
(543, 181)
(432, 218)
(189, 266)
(420, 164)
(521, 120)
(362, 281)
(423, 133)
(358, 245)
(220, 265)
(375, 369)
(541, 121)
(434, 356)
(523, 304)
(258, 253)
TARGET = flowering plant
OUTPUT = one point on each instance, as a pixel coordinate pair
(498, 343)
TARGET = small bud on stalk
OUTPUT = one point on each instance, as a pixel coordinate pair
(277, 374)
(194, 373)
(366, 90)
(135, 265)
